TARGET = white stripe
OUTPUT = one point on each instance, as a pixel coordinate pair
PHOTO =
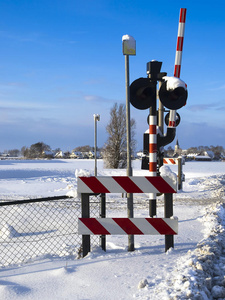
(181, 28)
(152, 138)
(111, 184)
(144, 185)
(152, 120)
(153, 157)
(178, 57)
(171, 182)
(172, 223)
(82, 187)
(111, 226)
(82, 229)
(145, 226)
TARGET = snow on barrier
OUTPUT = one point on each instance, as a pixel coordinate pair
(121, 226)
(126, 184)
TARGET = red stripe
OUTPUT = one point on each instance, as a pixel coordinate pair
(127, 184)
(160, 184)
(172, 124)
(94, 184)
(165, 161)
(182, 15)
(127, 226)
(172, 161)
(180, 41)
(94, 226)
(152, 148)
(152, 129)
(152, 166)
(161, 226)
(177, 71)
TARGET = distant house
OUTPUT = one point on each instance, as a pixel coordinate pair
(209, 153)
(202, 158)
(59, 154)
(4, 156)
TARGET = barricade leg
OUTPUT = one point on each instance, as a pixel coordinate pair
(168, 212)
(103, 215)
(85, 211)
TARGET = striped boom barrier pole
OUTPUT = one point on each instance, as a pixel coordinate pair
(152, 160)
(168, 198)
(178, 58)
(152, 145)
(180, 40)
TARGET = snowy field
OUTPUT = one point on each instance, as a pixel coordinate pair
(194, 269)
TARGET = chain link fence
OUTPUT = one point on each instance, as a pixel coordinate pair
(42, 228)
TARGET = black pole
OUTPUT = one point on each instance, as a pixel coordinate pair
(103, 215)
(85, 211)
(168, 212)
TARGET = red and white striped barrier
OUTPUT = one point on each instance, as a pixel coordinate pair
(170, 161)
(173, 161)
(125, 184)
(108, 226)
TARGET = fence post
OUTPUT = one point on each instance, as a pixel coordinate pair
(85, 211)
(103, 215)
(168, 212)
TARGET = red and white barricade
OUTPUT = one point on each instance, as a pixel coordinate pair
(121, 226)
(126, 184)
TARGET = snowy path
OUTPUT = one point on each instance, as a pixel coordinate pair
(111, 275)
(194, 269)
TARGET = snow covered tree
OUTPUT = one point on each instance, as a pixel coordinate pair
(115, 149)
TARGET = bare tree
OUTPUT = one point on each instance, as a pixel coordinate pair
(14, 152)
(115, 149)
(85, 148)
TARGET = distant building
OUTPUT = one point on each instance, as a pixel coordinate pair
(177, 150)
(59, 154)
(202, 158)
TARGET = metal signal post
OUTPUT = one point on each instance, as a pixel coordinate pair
(129, 48)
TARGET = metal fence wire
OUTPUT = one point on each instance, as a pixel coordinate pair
(42, 228)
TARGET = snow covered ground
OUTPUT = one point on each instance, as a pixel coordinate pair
(194, 269)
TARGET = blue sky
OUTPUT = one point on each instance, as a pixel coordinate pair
(61, 62)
